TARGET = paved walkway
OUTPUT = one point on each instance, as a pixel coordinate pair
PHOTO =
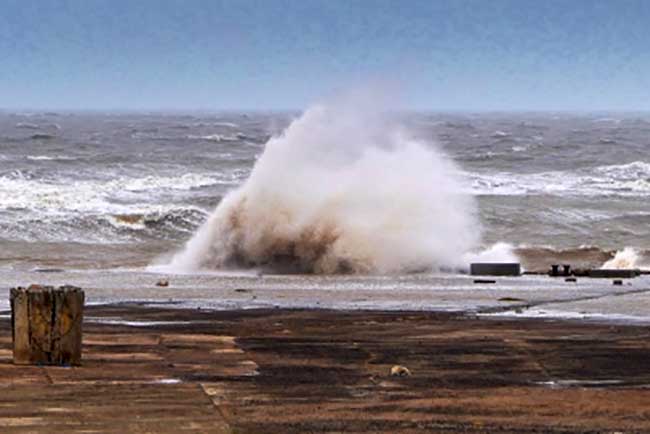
(275, 371)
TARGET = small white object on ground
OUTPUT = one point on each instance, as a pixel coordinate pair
(400, 371)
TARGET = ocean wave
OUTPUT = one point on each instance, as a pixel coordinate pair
(187, 181)
(215, 124)
(225, 124)
(632, 179)
(633, 170)
(138, 223)
(180, 127)
(49, 158)
(180, 219)
(217, 137)
(27, 126)
(152, 136)
(606, 120)
(540, 258)
(43, 136)
(56, 197)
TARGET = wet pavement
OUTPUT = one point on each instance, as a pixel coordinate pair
(156, 368)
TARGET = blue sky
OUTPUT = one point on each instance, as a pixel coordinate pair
(284, 54)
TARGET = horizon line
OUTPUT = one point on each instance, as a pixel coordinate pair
(168, 110)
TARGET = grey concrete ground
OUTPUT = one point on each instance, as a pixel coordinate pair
(513, 296)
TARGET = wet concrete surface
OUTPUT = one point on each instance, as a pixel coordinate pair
(157, 369)
(523, 296)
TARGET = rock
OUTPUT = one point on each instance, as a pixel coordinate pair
(163, 283)
(400, 371)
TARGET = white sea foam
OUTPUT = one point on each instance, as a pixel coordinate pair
(27, 126)
(627, 258)
(94, 195)
(225, 124)
(49, 157)
(216, 137)
(341, 190)
(186, 181)
(499, 252)
(631, 179)
(127, 221)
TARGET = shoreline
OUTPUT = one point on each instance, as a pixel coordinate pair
(586, 299)
(319, 370)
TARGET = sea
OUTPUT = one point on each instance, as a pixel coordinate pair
(99, 200)
(92, 190)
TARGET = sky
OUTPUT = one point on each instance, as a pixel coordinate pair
(475, 55)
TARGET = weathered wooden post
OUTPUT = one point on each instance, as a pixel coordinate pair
(46, 325)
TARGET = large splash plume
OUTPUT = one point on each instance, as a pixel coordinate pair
(343, 189)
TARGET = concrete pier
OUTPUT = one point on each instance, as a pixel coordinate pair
(164, 370)
(614, 273)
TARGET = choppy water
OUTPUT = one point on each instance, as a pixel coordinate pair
(97, 190)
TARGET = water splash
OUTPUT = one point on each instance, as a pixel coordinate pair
(343, 189)
(628, 258)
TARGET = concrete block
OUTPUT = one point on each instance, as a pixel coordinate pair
(614, 274)
(495, 269)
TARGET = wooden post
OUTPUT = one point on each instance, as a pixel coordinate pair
(46, 325)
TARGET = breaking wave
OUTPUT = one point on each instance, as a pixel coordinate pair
(27, 126)
(43, 136)
(50, 158)
(629, 258)
(219, 137)
(94, 211)
(632, 179)
(141, 224)
(341, 190)
(61, 196)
